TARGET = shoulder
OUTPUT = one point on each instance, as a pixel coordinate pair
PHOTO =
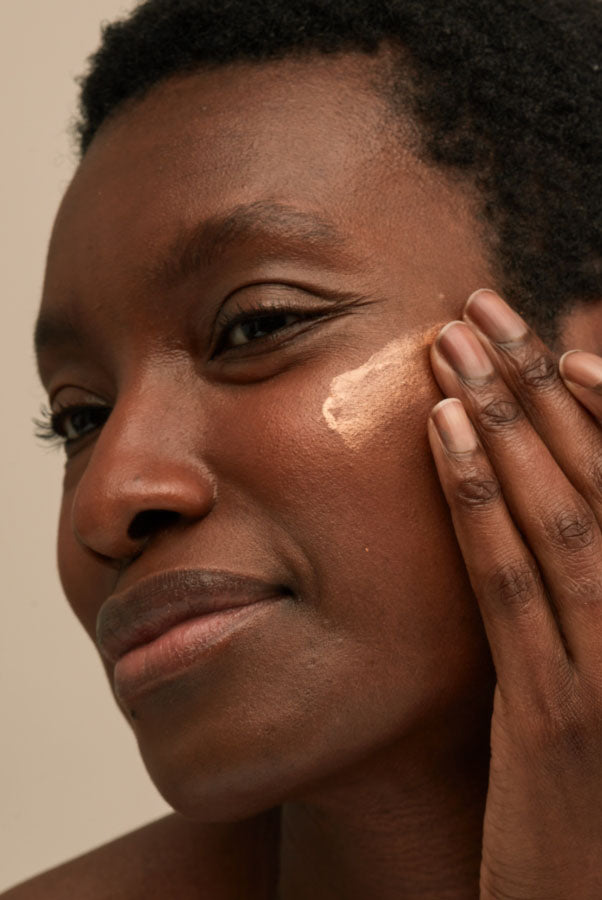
(172, 857)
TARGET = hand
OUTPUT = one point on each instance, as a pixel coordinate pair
(524, 486)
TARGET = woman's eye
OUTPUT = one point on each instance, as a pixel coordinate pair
(75, 422)
(254, 327)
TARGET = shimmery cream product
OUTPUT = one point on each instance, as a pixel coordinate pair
(363, 399)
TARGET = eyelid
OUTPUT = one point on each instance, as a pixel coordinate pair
(70, 410)
(71, 394)
(48, 427)
(229, 323)
(228, 318)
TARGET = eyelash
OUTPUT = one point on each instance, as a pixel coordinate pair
(227, 322)
(50, 426)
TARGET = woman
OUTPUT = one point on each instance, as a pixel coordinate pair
(275, 374)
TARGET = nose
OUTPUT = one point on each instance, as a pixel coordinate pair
(144, 475)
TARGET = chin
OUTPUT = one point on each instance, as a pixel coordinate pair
(227, 767)
(202, 782)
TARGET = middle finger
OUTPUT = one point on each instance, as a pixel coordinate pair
(557, 523)
(532, 372)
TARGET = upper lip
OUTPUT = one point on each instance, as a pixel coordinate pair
(152, 606)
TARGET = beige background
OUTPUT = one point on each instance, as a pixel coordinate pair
(71, 777)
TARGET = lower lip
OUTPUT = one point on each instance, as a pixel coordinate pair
(182, 647)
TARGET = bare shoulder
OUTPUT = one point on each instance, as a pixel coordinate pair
(171, 857)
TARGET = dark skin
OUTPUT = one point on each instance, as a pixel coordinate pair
(347, 734)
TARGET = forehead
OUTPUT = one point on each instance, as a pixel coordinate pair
(288, 130)
(307, 149)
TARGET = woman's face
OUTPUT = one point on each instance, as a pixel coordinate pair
(299, 457)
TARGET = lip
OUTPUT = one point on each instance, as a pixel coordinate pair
(163, 622)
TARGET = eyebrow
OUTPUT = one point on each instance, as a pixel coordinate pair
(283, 228)
(302, 233)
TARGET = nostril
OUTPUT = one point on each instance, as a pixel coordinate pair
(150, 521)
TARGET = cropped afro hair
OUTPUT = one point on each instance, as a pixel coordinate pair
(506, 94)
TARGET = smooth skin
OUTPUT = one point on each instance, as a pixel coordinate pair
(343, 743)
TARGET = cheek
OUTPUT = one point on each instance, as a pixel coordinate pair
(384, 601)
(346, 470)
(366, 405)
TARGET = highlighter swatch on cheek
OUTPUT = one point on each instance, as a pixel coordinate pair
(367, 399)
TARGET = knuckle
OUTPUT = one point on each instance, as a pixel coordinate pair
(539, 372)
(513, 585)
(478, 489)
(574, 529)
(566, 734)
(565, 726)
(498, 413)
(572, 739)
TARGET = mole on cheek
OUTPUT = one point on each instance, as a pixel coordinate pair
(366, 399)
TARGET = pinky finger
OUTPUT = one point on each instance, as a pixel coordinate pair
(582, 374)
(526, 645)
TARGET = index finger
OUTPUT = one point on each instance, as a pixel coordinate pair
(532, 372)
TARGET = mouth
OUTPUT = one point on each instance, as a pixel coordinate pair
(163, 624)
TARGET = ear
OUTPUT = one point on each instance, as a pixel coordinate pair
(581, 328)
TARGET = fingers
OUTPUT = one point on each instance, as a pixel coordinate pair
(582, 374)
(525, 641)
(554, 519)
(532, 373)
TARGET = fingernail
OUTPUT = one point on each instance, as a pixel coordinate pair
(584, 369)
(454, 427)
(494, 317)
(463, 350)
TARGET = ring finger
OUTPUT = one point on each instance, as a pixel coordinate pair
(532, 372)
(555, 520)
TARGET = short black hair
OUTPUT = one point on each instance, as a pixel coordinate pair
(506, 94)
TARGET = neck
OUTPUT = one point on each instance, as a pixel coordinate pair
(408, 823)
